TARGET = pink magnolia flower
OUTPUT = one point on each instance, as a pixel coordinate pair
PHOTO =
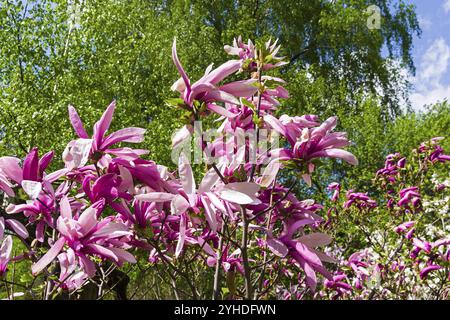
(71, 276)
(100, 142)
(420, 245)
(441, 242)
(364, 266)
(243, 50)
(248, 54)
(30, 176)
(409, 198)
(338, 284)
(406, 227)
(5, 184)
(230, 261)
(360, 200)
(336, 188)
(38, 211)
(302, 249)
(392, 167)
(87, 236)
(310, 143)
(206, 89)
(272, 50)
(425, 271)
(434, 152)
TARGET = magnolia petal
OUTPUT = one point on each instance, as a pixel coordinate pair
(87, 265)
(112, 230)
(206, 247)
(76, 153)
(102, 125)
(236, 197)
(123, 255)
(210, 214)
(103, 252)
(325, 258)
(87, 220)
(178, 64)
(275, 124)
(221, 110)
(178, 85)
(216, 202)
(64, 208)
(131, 135)
(223, 71)
(242, 88)
(311, 278)
(31, 165)
(48, 257)
(76, 122)
(240, 193)
(31, 188)
(209, 180)
(223, 96)
(52, 177)
(186, 175)
(179, 205)
(181, 135)
(336, 153)
(6, 248)
(2, 227)
(315, 239)
(307, 254)
(181, 237)
(5, 185)
(269, 174)
(298, 224)
(155, 197)
(45, 161)
(277, 247)
(18, 228)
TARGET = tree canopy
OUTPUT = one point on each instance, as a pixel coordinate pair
(87, 53)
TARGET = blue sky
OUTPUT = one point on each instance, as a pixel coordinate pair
(431, 53)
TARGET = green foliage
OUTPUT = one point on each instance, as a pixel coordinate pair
(86, 54)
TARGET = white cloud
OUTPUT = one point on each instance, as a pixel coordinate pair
(435, 61)
(420, 99)
(447, 5)
(425, 23)
(427, 83)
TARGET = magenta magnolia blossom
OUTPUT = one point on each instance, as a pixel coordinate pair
(309, 142)
(302, 249)
(406, 227)
(247, 53)
(87, 236)
(100, 142)
(336, 188)
(433, 151)
(425, 271)
(409, 198)
(206, 89)
(359, 200)
(393, 165)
